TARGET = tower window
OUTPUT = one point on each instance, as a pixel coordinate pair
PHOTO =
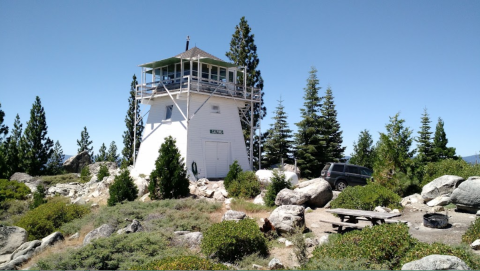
(216, 109)
(168, 115)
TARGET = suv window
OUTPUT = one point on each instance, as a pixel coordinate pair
(366, 171)
(326, 167)
(337, 168)
(352, 169)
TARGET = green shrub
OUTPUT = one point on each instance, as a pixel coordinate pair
(11, 210)
(245, 186)
(367, 198)
(449, 167)
(85, 175)
(472, 233)
(13, 190)
(279, 182)
(230, 241)
(102, 172)
(64, 178)
(169, 178)
(327, 263)
(232, 175)
(120, 252)
(249, 207)
(38, 197)
(182, 263)
(123, 188)
(48, 217)
(421, 250)
(379, 245)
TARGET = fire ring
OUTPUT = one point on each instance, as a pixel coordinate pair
(438, 221)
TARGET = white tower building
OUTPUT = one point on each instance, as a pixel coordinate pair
(195, 98)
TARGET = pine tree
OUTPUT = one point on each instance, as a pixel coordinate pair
(243, 52)
(55, 164)
(112, 155)
(37, 147)
(308, 140)
(123, 188)
(128, 135)
(169, 178)
(279, 141)
(440, 142)
(85, 144)
(13, 149)
(331, 133)
(3, 147)
(102, 154)
(363, 151)
(424, 140)
(3, 127)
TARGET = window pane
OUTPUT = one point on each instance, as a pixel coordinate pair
(214, 73)
(158, 75)
(230, 76)
(223, 74)
(195, 69)
(337, 168)
(178, 70)
(186, 68)
(205, 71)
(353, 170)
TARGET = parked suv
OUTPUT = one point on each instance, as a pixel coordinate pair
(341, 175)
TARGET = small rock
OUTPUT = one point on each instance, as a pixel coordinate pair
(79, 201)
(308, 210)
(135, 226)
(94, 206)
(395, 211)
(209, 193)
(103, 231)
(438, 209)
(478, 213)
(217, 196)
(458, 225)
(380, 209)
(288, 244)
(215, 186)
(436, 262)
(233, 215)
(323, 240)
(74, 236)
(309, 242)
(144, 197)
(228, 201)
(259, 199)
(313, 225)
(281, 240)
(256, 266)
(275, 264)
(475, 245)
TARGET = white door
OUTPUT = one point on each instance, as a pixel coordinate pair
(217, 158)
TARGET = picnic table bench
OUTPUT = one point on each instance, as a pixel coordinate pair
(353, 216)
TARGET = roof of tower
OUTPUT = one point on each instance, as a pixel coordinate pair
(193, 54)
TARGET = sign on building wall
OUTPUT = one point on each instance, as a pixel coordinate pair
(216, 132)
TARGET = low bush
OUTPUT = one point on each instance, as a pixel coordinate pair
(230, 241)
(449, 167)
(121, 252)
(245, 186)
(250, 207)
(11, 210)
(472, 233)
(278, 182)
(182, 263)
(102, 172)
(123, 188)
(232, 174)
(49, 217)
(13, 190)
(64, 178)
(85, 174)
(327, 263)
(38, 197)
(367, 198)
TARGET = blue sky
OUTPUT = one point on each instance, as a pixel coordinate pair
(379, 58)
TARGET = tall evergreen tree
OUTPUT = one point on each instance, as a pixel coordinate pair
(3, 147)
(363, 151)
(129, 134)
(55, 164)
(243, 52)
(3, 127)
(424, 140)
(440, 142)
(37, 147)
(279, 141)
(13, 148)
(331, 133)
(308, 139)
(102, 154)
(85, 144)
(112, 155)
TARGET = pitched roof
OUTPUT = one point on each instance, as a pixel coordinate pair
(195, 52)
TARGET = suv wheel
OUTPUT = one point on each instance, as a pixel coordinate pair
(341, 185)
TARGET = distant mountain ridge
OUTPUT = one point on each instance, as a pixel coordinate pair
(472, 159)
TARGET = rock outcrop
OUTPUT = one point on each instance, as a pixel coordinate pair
(288, 217)
(437, 262)
(265, 176)
(466, 196)
(11, 238)
(103, 231)
(231, 215)
(75, 163)
(440, 186)
(315, 193)
(190, 239)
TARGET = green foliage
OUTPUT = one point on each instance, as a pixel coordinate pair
(246, 263)
(182, 263)
(130, 134)
(38, 197)
(472, 233)
(232, 174)
(11, 210)
(440, 142)
(13, 190)
(385, 244)
(331, 133)
(308, 139)
(85, 175)
(169, 178)
(55, 164)
(367, 198)
(48, 217)
(36, 146)
(3, 127)
(230, 241)
(102, 154)
(123, 188)
(278, 182)
(279, 142)
(102, 172)
(424, 140)
(13, 153)
(243, 53)
(327, 263)
(84, 144)
(449, 167)
(3, 149)
(250, 207)
(421, 250)
(245, 186)
(112, 155)
(299, 246)
(63, 178)
(363, 150)
(118, 252)
(165, 215)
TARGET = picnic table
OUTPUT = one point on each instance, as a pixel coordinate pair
(353, 216)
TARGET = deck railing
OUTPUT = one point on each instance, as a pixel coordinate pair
(200, 85)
